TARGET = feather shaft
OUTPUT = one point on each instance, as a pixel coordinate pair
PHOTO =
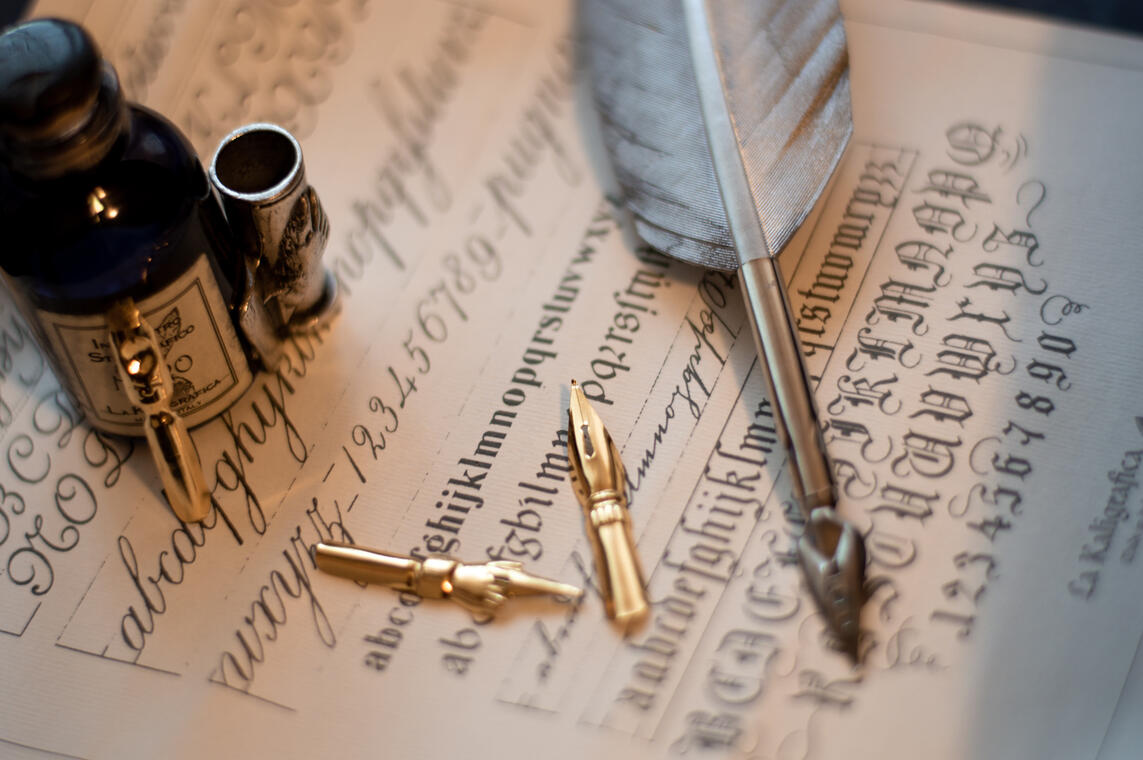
(722, 137)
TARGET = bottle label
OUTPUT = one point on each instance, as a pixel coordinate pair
(189, 316)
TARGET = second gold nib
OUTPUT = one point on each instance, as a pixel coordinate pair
(600, 484)
(479, 587)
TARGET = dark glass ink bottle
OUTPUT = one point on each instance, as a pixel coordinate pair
(101, 201)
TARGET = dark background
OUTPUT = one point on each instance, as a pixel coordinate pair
(1122, 15)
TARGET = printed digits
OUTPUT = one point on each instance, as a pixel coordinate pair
(405, 388)
(379, 406)
(485, 256)
(362, 437)
(461, 280)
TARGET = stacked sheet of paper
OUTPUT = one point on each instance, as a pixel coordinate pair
(967, 295)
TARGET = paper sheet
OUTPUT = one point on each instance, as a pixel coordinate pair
(967, 296)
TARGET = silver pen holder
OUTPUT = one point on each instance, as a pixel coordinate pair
(281, 230)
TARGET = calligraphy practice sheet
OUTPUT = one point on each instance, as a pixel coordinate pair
(967, 294)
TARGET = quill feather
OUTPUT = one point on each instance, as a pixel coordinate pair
(784, 74)
(725, 119)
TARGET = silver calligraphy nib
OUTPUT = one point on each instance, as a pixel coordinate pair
(832, 555)
(477, 587)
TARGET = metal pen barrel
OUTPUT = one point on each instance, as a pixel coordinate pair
(787, 384)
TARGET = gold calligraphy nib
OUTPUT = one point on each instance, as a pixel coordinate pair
(477, 587)
(147, 384)
(600, 484)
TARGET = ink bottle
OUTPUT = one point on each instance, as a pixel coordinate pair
(103, 202)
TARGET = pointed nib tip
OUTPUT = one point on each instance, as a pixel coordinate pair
(832, 554)
(578, 408)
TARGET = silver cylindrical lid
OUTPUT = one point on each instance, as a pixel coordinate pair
(277, 218)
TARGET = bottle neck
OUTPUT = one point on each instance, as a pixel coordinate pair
(78, 146)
